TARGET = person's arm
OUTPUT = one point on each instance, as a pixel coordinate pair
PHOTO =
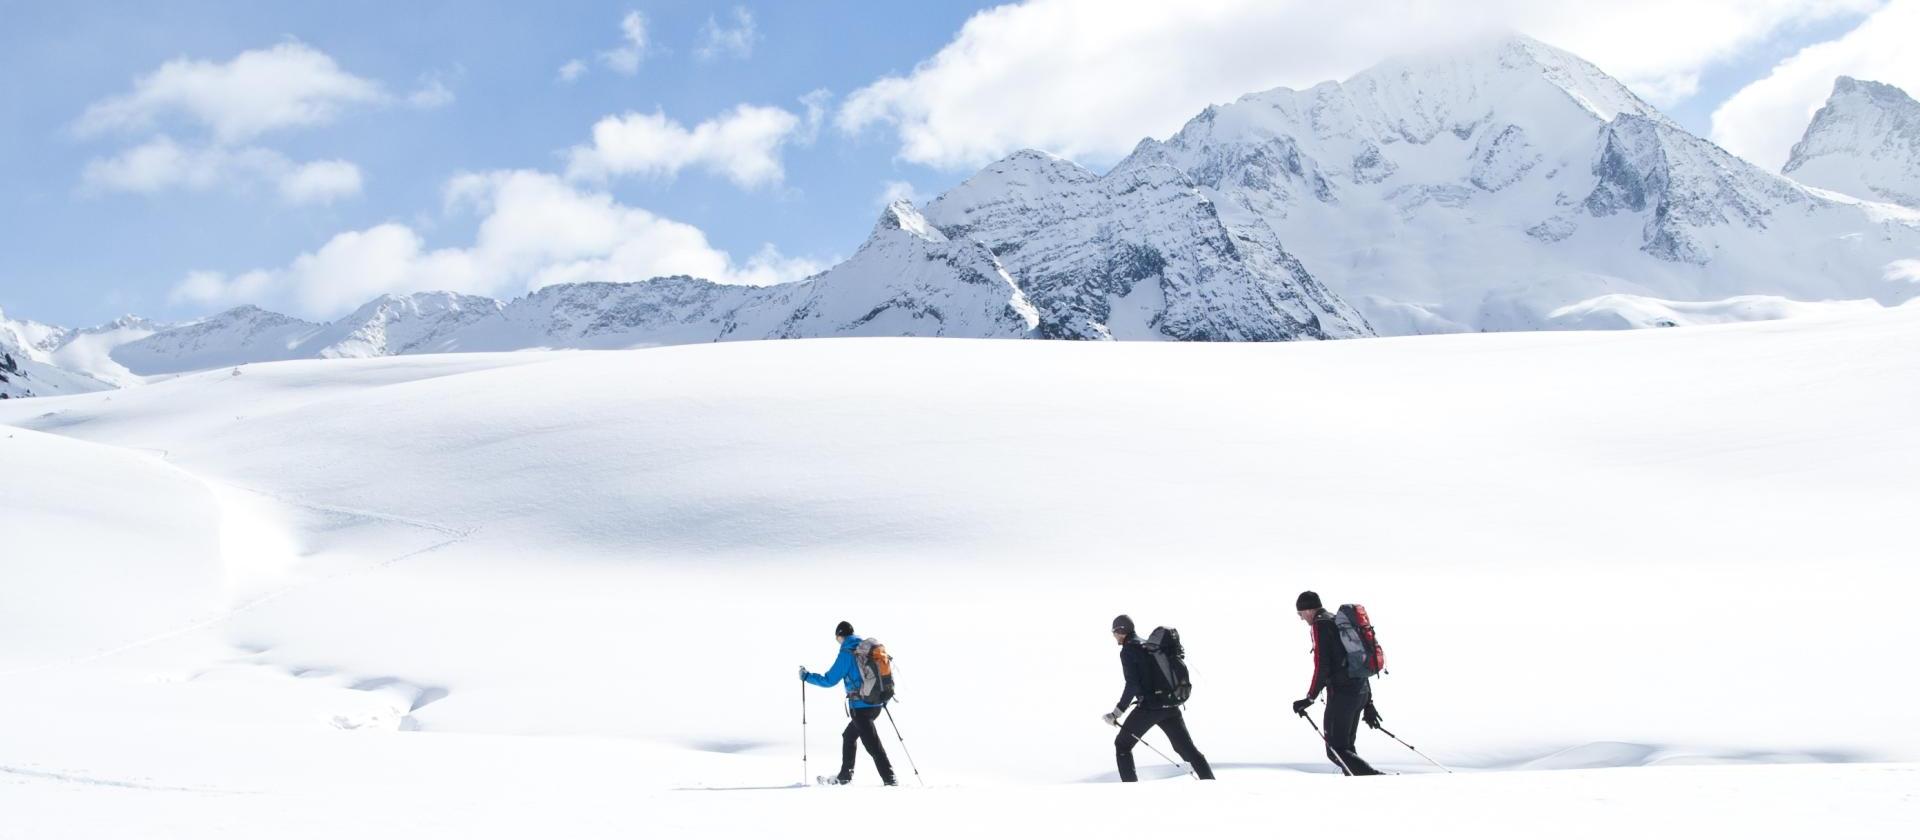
(1326, 646)
(838, 672)
(1135, 682)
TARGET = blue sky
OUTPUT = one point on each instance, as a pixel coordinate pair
(475, 87)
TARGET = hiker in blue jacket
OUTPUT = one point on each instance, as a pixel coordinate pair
(862, 728)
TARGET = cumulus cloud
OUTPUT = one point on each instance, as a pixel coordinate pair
(742, 145)
(1763, 120)
(1089, 78)
(625, 59)
(288, 85)
(534, 229)
(227, 107)
(572, 71)
(815, 102)
(162, 164)
(432, 93)
(893, 191)
(319, 182)
(721, 41)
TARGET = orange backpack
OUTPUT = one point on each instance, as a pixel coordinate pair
(876, 673)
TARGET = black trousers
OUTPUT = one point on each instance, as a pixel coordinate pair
(1170, 721)
(863, 729)
(1344, 704)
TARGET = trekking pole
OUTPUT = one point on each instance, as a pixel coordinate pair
(1416, 750)
(903, 747)
(1329, 744)
(803, 734)
(1156, 751)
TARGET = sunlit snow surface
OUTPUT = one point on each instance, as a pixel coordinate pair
(1651, 583)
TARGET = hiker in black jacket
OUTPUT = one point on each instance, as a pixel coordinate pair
(1155, 709)
(1348, 698)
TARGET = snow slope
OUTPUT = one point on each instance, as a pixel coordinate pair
(490, 595)
(1612, 312)
(1865, 141)
(74, 587)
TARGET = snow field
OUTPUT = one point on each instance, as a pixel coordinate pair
(585, 580)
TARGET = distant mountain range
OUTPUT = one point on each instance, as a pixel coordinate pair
(1510, 186)
(1865, 141)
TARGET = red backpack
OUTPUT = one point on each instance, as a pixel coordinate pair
(1365, 658)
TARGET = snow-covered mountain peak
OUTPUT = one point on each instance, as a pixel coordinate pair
(902, 216)
(1020, 176)
(242, 334)
(1457, 89)
(247, 316)
(1865, 142)
(1485, 185)
(29, 364)
(414, 322)
(1138, 253)
(124, 322)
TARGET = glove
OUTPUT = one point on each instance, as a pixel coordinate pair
(1112, 718)
(803, 672)
(1300, 707)
(1371, 715)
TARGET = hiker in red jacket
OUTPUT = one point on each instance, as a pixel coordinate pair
(1349, 699)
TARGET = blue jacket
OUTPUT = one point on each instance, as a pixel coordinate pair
(845, 673)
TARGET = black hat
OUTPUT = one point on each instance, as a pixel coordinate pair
(1308, 600)
(1123, 624)
(842, 630)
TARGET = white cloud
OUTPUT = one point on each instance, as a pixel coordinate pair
(432, 93)
(742, 145)
(572, 70)
(736, 41)
(893, 191)
(288, 85)
(816, 102)
(768, 266)
(1089, 78)
(162, 164)
(211, 288)
(625, 59)
(1763, 121)
(534, 230)
(320, 182)
(228, 106)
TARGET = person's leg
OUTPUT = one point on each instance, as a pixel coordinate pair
(1136, 725)
(847, 738)
(1175, 725)
(867, 720)
(1330, 728)
(1343, 727)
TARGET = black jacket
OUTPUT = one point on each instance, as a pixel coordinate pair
(1137, 665)
(1329, 657)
